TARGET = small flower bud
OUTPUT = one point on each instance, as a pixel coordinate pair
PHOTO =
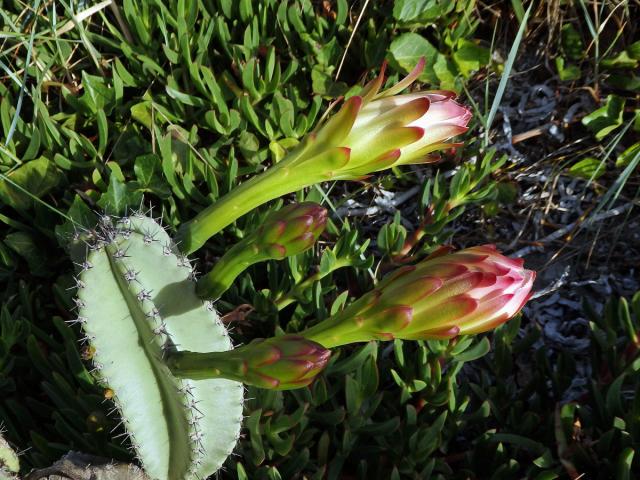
(291, 230)
(284, 233)
(277, 363)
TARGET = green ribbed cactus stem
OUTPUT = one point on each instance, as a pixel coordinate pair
(136, 301)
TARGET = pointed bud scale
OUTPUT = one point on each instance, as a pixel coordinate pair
(295, 227)
(280, 363)
(447, 294)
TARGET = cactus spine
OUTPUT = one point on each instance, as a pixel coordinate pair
(136, 300)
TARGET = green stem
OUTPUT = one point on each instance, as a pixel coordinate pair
(201, 366)
(282, 178)
(292, 295)
(296, 291)
(337, 331)
(241, 200)
(235, 261)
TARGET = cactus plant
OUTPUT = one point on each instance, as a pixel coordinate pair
(136, 299)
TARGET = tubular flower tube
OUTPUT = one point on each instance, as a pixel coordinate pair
(446, 295)
(286, 232)
(372, 131)
(278, 363)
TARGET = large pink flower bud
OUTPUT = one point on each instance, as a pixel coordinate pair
(373, 131)
(377, 130)
(446, 295)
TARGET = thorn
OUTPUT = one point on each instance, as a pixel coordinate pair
(96, 246)
(105, 219)
(87, 339)
(148, 238)
(86, 265)
(144, 295)
(79, 284)
(193, 275)
(153, 313)
(96, 368)
(208, 304)
(193, 404)
(130, 275)
(79, 303)
(79, 320)
(123, 434)
(161, 329)
(119, 253)
(186, 389)
(183, 261)
(166, 250)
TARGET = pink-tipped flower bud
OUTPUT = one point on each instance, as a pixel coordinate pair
(372, 131)
(465, 292)
(377, 130)
(277, 363)
(291, 230)
(284, 233)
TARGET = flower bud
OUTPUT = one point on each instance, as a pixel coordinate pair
(376, 130)
(291, 230)
(446, 295)
(284, 233)
(373, 131)
(277, 363)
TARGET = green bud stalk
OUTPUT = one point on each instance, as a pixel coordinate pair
(289, 231)
(278, 363)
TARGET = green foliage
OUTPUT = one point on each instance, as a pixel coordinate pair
(607, 118)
